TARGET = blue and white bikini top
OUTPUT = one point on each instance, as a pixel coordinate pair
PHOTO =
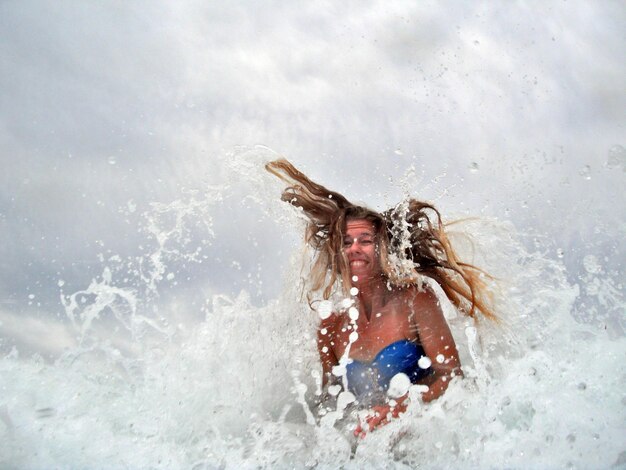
(369, 379)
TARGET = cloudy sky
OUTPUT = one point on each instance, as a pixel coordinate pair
(506, 110)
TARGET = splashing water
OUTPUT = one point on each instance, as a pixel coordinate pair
(238, 388)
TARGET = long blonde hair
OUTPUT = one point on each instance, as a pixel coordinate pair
(411, 240)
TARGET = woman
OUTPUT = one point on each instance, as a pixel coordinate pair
(390, 330)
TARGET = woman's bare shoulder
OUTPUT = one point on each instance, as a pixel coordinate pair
(419, 293)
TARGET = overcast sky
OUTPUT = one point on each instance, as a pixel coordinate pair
(500, 109)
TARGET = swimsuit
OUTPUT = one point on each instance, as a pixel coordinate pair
(370, 380)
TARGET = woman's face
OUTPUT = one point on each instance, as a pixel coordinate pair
(360, 246)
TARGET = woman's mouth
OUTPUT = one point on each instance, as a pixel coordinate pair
(357, 263)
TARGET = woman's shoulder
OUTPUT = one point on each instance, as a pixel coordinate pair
(421, 293)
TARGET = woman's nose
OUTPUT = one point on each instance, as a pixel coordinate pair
(354, 246)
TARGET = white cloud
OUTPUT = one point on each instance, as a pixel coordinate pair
(353, 93)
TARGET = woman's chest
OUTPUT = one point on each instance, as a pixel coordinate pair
(367, 337)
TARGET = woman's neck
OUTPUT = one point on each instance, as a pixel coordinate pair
(372, 295)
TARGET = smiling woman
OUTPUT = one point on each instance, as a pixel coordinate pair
(390, 331)
(359, 247)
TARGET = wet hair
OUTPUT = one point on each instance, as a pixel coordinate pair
(411, 242)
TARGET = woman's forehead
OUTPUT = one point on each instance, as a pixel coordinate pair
(359, 225)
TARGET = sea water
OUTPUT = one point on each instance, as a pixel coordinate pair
(230, 381)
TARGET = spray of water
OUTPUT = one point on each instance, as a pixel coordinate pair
(239, 386)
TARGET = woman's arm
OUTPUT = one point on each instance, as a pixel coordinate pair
(325, 335)
(437, 341)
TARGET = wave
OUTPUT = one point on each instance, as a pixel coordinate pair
(151, 379)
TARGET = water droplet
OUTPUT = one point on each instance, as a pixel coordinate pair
(112, 160)
(334, 390)
(585, 172)
(398, 152)
(398, 385)
(31, 296)
(424, 362)
(476, 42)
(617, 157)
(353, 312)
(346, 303)
(473, 167)
(591, 264)
(354, 291)
(324, 309)
(440, 358)
(355, 278)
(353, 336)
(61, 283)
(560, 253)
(344, 399)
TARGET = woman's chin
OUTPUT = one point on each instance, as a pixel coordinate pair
(360, 277)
